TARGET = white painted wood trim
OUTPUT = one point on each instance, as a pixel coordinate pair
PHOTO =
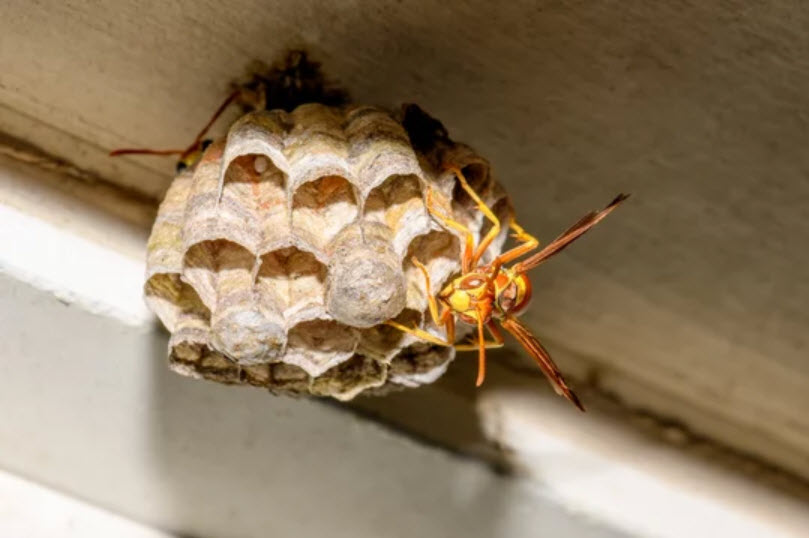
(28, 510)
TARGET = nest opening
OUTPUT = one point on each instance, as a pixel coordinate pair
(255, 176)
(212, 256)
(350, 377)
(172, 300)
(419, 358)
(393, 196)
(319, 344)
(288, 378)
(322, 335)
(382, 342)
(323, 207)
(437, 250)
(291, 277)
(434, 244)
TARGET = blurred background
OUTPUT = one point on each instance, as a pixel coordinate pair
(683, 320)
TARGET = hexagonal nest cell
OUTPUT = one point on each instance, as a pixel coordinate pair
(275, 259)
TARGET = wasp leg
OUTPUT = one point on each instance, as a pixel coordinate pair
(482, 345)
(469, 238)
(420, 333)
(444, 319)
(433, 304)
(497, 341)
(493, 231)
(528, 243)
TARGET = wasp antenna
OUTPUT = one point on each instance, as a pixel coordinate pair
(226, 103)
(145, 151)
(197, 143)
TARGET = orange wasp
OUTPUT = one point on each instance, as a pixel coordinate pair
(483, 294)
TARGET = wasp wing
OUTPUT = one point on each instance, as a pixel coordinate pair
(542, 358)
(569, 235)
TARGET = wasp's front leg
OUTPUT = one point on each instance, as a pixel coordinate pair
(527, 243)
(469, 237)
(443, 319)
(487, 212)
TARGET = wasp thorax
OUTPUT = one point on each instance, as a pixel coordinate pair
(276, 257)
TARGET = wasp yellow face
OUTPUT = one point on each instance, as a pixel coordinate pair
(482, 296)
(471, 297)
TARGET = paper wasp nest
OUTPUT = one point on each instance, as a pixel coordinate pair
(275, 259)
